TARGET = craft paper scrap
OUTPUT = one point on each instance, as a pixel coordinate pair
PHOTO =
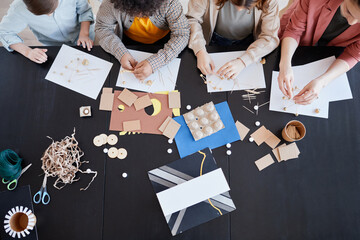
(163, 79)
(272, 141)
(171, 129)
(288, 152)
(79, 71)
(191, 186)
(187, 145)
(261, 135)
(276, 152)
(249, 78)
(242, 129)
(264, 162)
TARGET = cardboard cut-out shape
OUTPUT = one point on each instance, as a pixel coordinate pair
(164, 124)
(132, 125)
(288, 152)
(127, 97)
(261, 135)
(150, 122)
(242, 129)
(264, 162)
(276, 152)
(106, 99)
(171, 129)
(142, 102)
(174, 100)
(272, 141)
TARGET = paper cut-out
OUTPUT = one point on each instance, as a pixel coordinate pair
(163, 79)
(69, 70)
(174, 100)
(250, 77)
(142, 102)
(192, 186)
(171, 129)
(288, 152)
(127, 97)
(260, 135)
(242, 129)
(264, 162)
(132, 125)
(272, 141)
(164, 124)
(106, 99)
(276, 152)
(150, 120)
(187, 145)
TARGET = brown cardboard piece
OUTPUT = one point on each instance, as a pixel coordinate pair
(272, 141)
(132, 125)
(264, 162)
(171, 129)
(174, 100)
(276, 152)
(288, 152)
(242, 129)
(127, 97)
(142, 102)
(106, 99)
(149, 123)
(164, 124)
(261, 135)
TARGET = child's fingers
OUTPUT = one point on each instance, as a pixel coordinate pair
(44, 50)
(83, 44)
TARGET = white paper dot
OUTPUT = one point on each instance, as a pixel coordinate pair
(88, 170)
(256, 107)
(170, 141)
(188, 107)
(124, 175)
(257, 123)
(251, 139)
(169, 150)
(228, 152)
(106, 150)
(228, 145)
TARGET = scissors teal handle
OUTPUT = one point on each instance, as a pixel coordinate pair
(11, 185)
(42, 195)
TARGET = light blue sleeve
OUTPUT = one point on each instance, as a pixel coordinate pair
(84, 11)
(10, 26)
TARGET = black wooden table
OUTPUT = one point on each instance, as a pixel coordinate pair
(314, 197)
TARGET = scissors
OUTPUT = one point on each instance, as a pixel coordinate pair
(42, 195)
(11, 185)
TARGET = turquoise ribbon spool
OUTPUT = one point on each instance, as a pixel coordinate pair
(10, 165)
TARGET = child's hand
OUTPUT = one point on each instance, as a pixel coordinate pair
(231, 69)
(85, 41)
(37, 55)
(204, 62)
(143, 70)
(128, 62)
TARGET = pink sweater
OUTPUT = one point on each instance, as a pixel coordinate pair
(306, 21)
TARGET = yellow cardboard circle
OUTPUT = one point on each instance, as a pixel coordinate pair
(112, 139)
(113, 152)
(122, 153)
(98, 141)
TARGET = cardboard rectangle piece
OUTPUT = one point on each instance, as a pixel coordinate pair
(261, 135)
(189, 187)
(164, 124)
(242, 129)
(132, 125)
(186, 143)
(290, 151)
(276, 152)
(127, 97)
(264, 162)
(272, 141)
(106, 99)
(171, 129)
(142, 102)
(174, 100)
(151, 119)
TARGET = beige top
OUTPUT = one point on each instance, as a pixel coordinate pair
(202, 16)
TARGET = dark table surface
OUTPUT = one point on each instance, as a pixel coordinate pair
(314, 197)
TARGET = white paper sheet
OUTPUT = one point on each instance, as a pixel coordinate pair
(251, 77)
(164, 79)
(68, 71)
(338, 89)
(192, 192)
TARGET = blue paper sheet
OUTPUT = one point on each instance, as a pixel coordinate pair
(187, 145)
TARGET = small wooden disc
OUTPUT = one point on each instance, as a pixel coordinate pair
(98, 141)
(122, 153)
(104, 137)
(112, 139)
(113, 152)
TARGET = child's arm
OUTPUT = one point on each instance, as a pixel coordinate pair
(36, 55)
(86, 17)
